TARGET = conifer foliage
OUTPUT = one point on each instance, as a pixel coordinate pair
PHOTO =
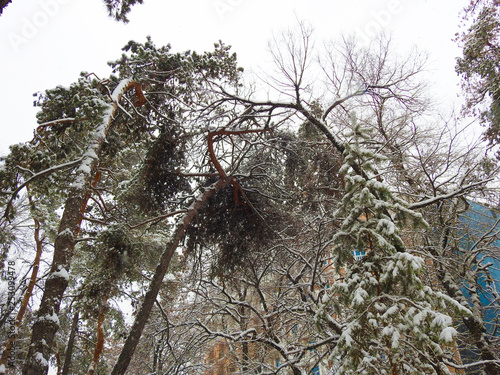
(398, 325)
(117, 9)
(479, 65)
(182, 215)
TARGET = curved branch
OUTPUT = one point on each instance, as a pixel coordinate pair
(215, 162)
(47, 124)
(342, 100)
(36, 177)
(463, 190)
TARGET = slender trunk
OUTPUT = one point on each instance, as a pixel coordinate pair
(27, 295)
(58, 362)
(71, 343)
(245, 350)
(100, 339)
(150, 297)
(246, 357)
(103, 309)
(158, 353)
(47, 323)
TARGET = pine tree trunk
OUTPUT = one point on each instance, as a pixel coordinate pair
(71, 343)
(47, 322)
(100, 340)
(142, 315)
(103, 309)
(27, 295)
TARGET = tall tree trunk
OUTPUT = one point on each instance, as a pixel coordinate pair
(71, 343)
(143, 314)
(27, 295)
(103, 309)
(100, 339)
(47, 322)
(58, 362)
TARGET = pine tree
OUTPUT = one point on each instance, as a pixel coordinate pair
(479, 65)
(396, 323)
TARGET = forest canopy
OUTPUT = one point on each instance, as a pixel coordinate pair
(173, 219)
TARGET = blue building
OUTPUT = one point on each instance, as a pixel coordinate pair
(479, 233)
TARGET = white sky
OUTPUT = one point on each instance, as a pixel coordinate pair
(45, 43)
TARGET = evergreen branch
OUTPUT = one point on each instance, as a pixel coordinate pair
(157, 218)
(44, 125)
(35, 177)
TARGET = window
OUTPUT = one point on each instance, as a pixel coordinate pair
(358, 254)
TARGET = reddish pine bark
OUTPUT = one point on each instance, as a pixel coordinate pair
(142, 315)
(47, 323)
(27, 295)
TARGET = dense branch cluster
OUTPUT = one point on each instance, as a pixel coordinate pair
(190, 226)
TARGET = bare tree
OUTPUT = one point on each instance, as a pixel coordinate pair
(388, 100)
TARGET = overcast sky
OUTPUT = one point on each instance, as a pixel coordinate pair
(45, 43)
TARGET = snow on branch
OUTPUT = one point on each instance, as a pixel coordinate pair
(461, 191)
(35, 177)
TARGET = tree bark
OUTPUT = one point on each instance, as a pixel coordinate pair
(103, 309)
(27, 295)
(47, 323)
(71, 343)
(142, 315)
(100, 340)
